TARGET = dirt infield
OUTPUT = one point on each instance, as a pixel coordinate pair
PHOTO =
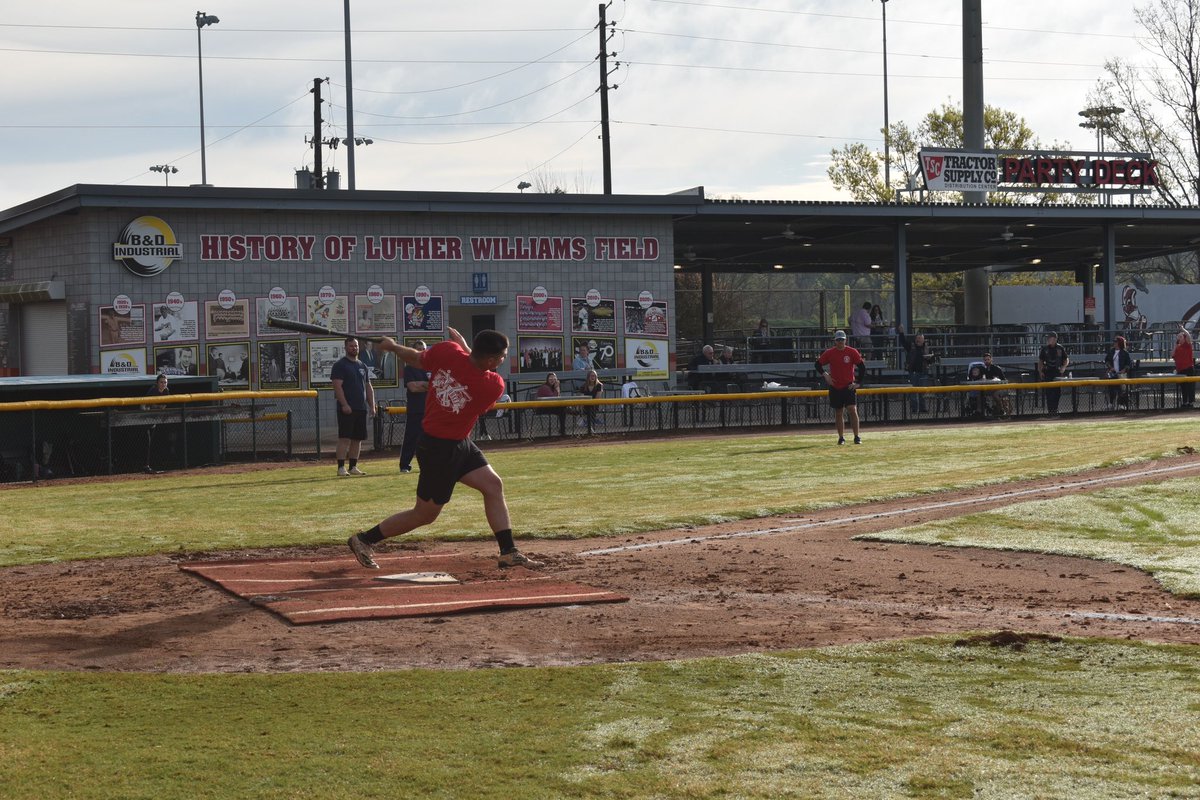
(808, 585)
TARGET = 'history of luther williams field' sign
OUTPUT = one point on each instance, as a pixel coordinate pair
(1036, 171)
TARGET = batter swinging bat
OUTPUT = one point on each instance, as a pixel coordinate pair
(304, 327)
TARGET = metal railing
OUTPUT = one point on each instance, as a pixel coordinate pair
(44, 439)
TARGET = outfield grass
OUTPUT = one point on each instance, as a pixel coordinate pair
(913, 719)
(567, 491)
(1154, 527)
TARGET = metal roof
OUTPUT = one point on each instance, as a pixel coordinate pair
(736, 235)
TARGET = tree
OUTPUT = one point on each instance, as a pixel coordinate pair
(857, 168)
(1161, 102)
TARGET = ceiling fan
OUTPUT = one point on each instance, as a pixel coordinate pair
(689, 255)
(1009, 236)
(790, 235)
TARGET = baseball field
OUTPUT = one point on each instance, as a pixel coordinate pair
(947, 612)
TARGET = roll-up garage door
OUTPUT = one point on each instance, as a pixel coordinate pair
(43, 338)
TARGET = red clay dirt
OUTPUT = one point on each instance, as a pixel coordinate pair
(806, 588)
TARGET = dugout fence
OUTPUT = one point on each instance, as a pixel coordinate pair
(41, 440)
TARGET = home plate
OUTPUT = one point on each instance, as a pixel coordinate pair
(420, 577)
(321, 588)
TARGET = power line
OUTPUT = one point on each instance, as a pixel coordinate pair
(874, 20)
(839, 73)
(308, 60)
(738, 130)
(484, 108)
(493, 135)
(849, 50)
(337, 31)
(548, 160)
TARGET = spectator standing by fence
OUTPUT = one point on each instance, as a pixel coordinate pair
(1185, 364)
(1117, 364)
(1052, 363)
(860, 327)
(355, 401)
(161, 388)
(919, 360)
(416, 387)
(878, 332)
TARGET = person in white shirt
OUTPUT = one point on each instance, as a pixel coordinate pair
(860, 327)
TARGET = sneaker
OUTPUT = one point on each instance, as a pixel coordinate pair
(516, 558)
(404, 468)
(841, 440)
(362, 551)
(355, 471)
(857, 440)
(342, 472)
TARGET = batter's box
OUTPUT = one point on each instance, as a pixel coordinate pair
(309, 590)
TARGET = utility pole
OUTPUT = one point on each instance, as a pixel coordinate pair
(318, 174)
(604, 140)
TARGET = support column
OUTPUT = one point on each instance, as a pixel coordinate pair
(903, 279)
(976, 298)
(1109, 266)
(706, 303)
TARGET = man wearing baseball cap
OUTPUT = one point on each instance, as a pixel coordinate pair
(838, 366)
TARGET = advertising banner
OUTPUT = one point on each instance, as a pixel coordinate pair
(646, 320)
(279, 365)
(226, 323)
(177, 360)
(175, 324)
(539, 353)
(423, 318)
(648, 358)
(331, 313)
(275, 308)
(126, 361)
(589, 318)
(602, 351)
(229, 362)
(544, 317)
(374, 316)
(118, 329)
(322, 355)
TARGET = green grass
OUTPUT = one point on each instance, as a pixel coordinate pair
(905, 719)
(569, 491)
(1154, 527)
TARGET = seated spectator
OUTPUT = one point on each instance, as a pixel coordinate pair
(727, 355)
(593, 388)
(630, 389)
(705, 356)
(549, 389)
(998, 403)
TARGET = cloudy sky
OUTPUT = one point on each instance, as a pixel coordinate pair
(744, 97)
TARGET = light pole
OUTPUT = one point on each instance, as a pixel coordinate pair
(887, 133)
(202, 19)
(351, 139)
(1100, 118)
(167, 170)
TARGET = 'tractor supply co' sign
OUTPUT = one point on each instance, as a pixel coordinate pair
(1034, 171)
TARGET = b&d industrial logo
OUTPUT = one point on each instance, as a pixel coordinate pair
(147, 246)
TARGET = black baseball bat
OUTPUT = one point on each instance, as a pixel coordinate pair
(317, 330)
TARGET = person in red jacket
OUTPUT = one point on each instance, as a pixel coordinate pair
(838, 365)
(463, 384)
(1185, 364)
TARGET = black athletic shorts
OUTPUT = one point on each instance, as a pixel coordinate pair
(352, 425)
(443, 462)
(840, 398)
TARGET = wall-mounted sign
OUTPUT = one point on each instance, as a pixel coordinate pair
(1037, 171)
(479, 281)
(122, 304)
(534, 317)
(147, 246)
(375, 293)
(226, 298)
(477, 300)
(277, 296)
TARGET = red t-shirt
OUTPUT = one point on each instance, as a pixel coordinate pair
(1184, 359)
(841, 365)
(459, 391)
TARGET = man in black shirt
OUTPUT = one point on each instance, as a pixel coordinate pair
(1052, 363)
(919, 360)
(705, 356)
